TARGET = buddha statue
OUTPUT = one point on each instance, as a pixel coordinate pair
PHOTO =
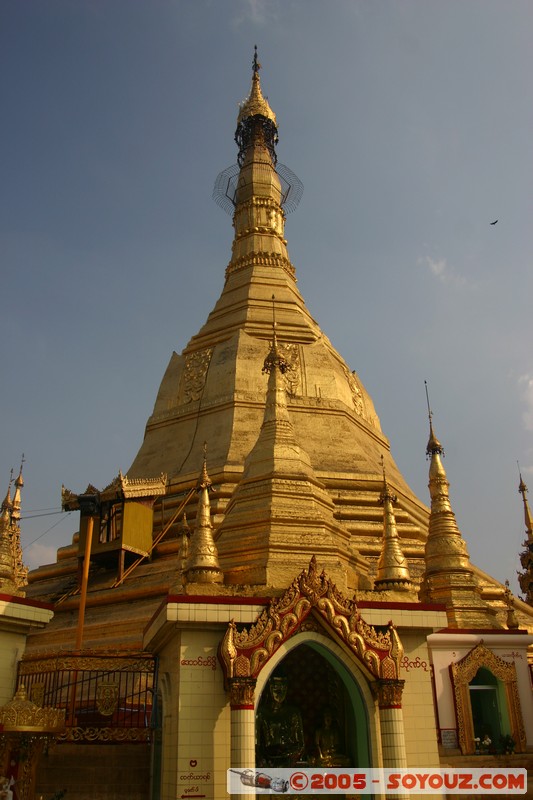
(328, 743)
(280, 736)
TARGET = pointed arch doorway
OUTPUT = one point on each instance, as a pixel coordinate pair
(328, 700)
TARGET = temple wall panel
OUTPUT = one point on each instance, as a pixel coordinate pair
(417, 702)
(204, 718)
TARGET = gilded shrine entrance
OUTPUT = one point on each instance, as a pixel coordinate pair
(318, 668)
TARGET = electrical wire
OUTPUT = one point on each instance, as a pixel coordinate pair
(47, 531)
(35, 516)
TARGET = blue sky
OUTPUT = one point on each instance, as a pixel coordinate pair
(409, 124)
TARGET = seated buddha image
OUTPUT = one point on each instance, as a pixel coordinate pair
(328, 742)
(280, 736)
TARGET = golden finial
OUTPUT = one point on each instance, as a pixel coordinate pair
(19, 481)
(256, 64)
(7, 503)
(204, 481)
(522, 488)
(255, 104)
(17, 502)
(433, 445)
(386, 494)
(274, 358)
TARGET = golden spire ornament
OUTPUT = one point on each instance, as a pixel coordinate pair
(393, 569)
(448, 576)
(202, 562)
(525, 578)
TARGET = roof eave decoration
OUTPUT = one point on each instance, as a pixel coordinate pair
(125, 488)
(121, 488)
(243, 654)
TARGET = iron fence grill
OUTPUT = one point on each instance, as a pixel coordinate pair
(106, 697)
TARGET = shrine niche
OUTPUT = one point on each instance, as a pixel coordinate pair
(307, 696)
(463, 673)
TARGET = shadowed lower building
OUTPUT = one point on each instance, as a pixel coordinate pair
(264, 560)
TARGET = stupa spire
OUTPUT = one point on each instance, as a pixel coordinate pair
(525, 578)
(448, 577)
(202, 563)
(7, 502)
(7, 575)
(13, 573)
(393, 569)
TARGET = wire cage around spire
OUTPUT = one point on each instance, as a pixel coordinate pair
(225, 188)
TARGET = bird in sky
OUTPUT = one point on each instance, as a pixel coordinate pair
(494, 223)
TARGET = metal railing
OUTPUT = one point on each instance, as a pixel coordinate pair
(106, 697)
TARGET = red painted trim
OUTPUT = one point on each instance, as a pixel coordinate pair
(391, 706)
(243, 708)
(26, 601)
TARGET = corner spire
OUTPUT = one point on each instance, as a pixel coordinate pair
(528, 518)
(448, 576)
(393, 569)
(525, 578)
(13, 573)
(202, 562)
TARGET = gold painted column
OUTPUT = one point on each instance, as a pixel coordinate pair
(242, 724)
(389, 696)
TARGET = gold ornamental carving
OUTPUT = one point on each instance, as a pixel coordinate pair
(245, 652)
(21, 715)
(107, 698)
(86, 663)
(291, 352)
(94, 734)
(261, 259)
(357, 395)
(463, 672)
(196, 366)
(242, 691)
(388, 693)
